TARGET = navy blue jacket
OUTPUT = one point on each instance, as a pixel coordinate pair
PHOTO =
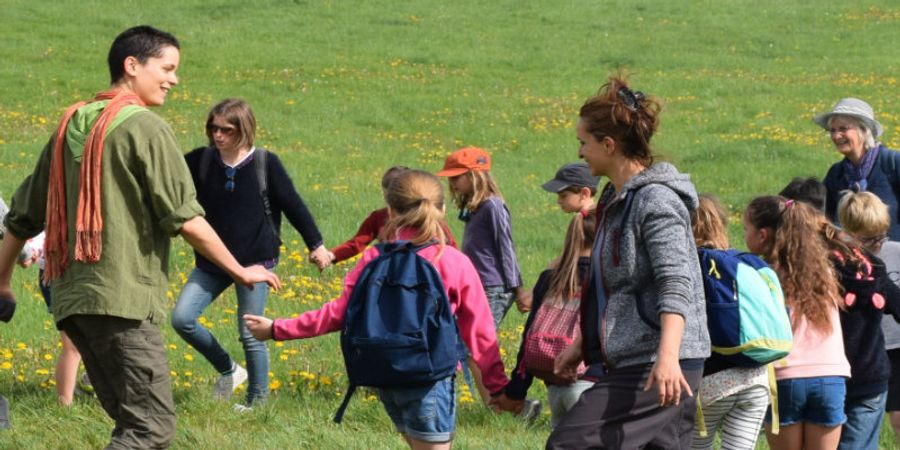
(883, 181)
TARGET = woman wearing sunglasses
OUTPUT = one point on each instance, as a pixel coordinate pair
(244, 190)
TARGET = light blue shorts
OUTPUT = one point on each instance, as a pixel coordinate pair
(425, 413)
(817, 400)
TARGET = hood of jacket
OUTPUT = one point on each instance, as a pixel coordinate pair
(667, 175)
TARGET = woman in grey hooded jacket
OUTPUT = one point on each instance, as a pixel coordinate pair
(643, 312)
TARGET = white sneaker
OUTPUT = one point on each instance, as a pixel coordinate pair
(241, 409)
(226, 384)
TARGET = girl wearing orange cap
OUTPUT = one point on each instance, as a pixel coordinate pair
(487, 239)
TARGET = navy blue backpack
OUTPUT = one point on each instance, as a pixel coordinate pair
(398, 329)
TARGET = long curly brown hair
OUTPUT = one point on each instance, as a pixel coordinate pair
(798, 252)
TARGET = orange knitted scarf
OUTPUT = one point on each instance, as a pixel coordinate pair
(89, 219)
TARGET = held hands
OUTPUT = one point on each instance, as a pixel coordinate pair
(523, 300)
(566, 364)
(666, 375)
(321, 257)
(260, 327)
(259, 274)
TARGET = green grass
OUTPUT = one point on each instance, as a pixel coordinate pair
(343, 90)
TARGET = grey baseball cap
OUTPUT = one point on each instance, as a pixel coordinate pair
(572, 175)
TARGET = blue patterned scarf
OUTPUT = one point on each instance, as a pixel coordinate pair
(854, 175)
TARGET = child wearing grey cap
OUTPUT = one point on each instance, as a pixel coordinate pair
(574, 187)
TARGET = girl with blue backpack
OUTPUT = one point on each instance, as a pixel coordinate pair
(733, 397)
(424, 414)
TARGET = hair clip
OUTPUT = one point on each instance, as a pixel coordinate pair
(788, 203)
(584, 213)
(632, 99)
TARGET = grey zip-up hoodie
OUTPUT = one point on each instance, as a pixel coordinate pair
(644, 262)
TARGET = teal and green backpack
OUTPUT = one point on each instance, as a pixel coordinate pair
(747, 318)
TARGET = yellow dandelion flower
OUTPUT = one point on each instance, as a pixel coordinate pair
(5, 365)
(275, 385)
(188, 357)
(48, 357)
(42, 371)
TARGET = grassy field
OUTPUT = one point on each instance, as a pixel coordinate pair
(342, 90)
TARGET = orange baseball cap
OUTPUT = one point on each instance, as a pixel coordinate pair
(464, 160)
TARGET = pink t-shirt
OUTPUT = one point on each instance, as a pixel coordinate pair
(815, 353)
(467, 300)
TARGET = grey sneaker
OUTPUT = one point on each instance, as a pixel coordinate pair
(226, 384)
(530, 410)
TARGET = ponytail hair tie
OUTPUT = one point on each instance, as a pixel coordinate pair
(584, 213)
(788, 203)
(632, 99)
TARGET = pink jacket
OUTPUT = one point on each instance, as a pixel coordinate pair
(467, 300)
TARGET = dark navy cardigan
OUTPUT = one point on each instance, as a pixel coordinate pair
(239, 216)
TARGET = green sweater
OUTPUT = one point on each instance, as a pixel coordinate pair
(147, 195)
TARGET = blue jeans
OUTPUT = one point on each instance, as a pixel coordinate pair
(200, 290)
(499, 299)
(426, 413)
(864, 415)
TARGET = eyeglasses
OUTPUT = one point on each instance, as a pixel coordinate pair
(874, 241)
(227, 131)
(841, 130)
(229, 184)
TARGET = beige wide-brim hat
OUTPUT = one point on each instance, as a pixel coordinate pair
(852, 107)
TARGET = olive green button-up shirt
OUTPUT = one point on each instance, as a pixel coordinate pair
(147, 194)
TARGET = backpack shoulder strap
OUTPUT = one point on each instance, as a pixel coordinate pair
(205, 161)
(260, 164)
(339, 415)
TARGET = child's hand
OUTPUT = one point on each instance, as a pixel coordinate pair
(566, 364)
(260, 327)
(321, 256)
(523, 300)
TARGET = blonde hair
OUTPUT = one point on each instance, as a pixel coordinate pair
(863, 213)
(710, 223)
(798, 250)
(483, 187)
(565, 282)
(416, 199)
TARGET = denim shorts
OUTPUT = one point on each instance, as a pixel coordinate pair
(425, 413)
(817, 400)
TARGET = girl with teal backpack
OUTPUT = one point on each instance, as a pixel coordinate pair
(748, 327)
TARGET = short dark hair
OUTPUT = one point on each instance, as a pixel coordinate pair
(807, 190)
(577, 189)
(142, 42)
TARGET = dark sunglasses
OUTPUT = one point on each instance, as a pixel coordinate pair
(229, 184)
(227, 131)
